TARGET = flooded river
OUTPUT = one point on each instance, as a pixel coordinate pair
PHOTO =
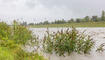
(98, 35)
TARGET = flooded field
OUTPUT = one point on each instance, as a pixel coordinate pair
(98, 35)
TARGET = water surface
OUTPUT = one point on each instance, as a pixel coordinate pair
(98, 35)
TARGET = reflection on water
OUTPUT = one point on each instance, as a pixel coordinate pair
(98, 34)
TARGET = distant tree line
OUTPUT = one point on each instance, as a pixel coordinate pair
(77, 20)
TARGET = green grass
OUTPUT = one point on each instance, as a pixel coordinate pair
(8, 54)
(82, 24)
(5, 54)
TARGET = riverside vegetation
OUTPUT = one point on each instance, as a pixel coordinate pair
(14, 38)
(68, 41)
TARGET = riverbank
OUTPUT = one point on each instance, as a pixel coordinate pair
(82, 24)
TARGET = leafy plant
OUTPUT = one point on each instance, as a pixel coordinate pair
(67, 42)
(101, 48)
(21, 34)
(12, 38)
(5, 31)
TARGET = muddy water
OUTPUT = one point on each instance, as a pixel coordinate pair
(98, 35)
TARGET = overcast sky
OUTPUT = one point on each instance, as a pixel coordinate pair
(40, 10)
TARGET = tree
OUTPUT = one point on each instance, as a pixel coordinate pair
(60, 21)
(103, 16)
(24, 23)
(31, 24)
(78, 20)
(86, 18)
(94, 18)
(71, 20)
(45, 22)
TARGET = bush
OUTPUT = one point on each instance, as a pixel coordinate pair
(67, 42)
(21, 34)
(12, 38)
(5, 31)
(18, 33)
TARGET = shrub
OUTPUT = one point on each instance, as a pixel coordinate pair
(17, 33)
(21, 34)
(5, 31)
(67, 42)
(12, 38)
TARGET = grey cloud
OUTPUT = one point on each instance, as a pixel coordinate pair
(78, 7)
(8, 1)
(52, 8)
(31, 3)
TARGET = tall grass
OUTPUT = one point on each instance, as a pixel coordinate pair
(66, 42)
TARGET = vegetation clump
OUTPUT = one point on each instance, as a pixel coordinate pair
(13, 39)
(66, 42)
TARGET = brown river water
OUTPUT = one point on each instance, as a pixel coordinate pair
(98, 35)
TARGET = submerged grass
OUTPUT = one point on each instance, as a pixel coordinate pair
(66, 42)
